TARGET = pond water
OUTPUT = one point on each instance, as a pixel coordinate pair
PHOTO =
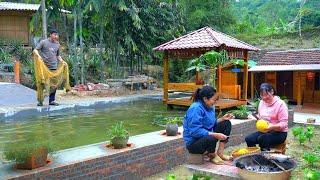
(82, 127)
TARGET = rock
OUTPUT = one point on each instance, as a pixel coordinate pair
(102, 86)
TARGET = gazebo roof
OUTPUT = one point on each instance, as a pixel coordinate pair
(204, 38)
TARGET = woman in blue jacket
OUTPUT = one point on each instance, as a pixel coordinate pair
(201, 129)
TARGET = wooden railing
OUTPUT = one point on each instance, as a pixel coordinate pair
(183, 87)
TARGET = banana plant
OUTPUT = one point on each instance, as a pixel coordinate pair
(241, 62)
(213, 59)
(197, 65)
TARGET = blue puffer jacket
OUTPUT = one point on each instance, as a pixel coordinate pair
(198, 121)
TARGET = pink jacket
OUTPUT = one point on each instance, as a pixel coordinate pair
(275, 112)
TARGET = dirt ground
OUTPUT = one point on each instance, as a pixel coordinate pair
(72, 96)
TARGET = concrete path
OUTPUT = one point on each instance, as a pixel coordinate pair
(12, 94)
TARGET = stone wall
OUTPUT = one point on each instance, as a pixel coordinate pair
(6, 77)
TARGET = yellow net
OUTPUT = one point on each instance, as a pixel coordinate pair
(49, 80)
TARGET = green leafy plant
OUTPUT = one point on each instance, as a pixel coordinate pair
(171, 177)
(240, 62)
(213, 59)
(311, 174)
(118, 130)
(310, 158)
(302, 138)
(199, 176)
(5, 57)
(241, 112)
(20, 151)
(309, 133)
(174, 120)
(196, 64)
(285, 99)
(163, 121)
(297, 131)
(256, 103)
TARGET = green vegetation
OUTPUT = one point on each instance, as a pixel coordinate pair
(162, 121)
(303, 134)
(21, 151)
(195, 176)
(118, 131)
(306, 153)
(20, 147)
(113, 39)
(241, 112)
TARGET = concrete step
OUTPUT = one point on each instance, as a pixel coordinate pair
(225, 172)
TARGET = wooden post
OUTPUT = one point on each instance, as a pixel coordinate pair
(165, 77)
(245, 75)
(219, 78)
(299, 90)
(17, 72)
(252, 85)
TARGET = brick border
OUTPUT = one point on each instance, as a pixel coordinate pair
(132, 163)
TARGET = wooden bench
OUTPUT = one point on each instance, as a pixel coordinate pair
(280, 148)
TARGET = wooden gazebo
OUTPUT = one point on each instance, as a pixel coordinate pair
(193, 45)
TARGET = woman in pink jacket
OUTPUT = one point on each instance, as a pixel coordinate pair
(275, 111)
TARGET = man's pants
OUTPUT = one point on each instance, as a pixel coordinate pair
(52, 96)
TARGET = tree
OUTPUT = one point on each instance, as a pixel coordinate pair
(44, 19)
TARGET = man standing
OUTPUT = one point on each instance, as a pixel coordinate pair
(49, 51)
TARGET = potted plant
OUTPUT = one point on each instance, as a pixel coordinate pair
(172, 126)
(119, 136)
(241, 112)
(28, 155)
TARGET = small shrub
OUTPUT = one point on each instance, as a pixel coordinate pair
(174, 120)
(171, 177)
(310, 158)
(20, 151)
(241, 113)
(310, 174)
(309, 133)
(118, 130)
(163, 121)
(297, 131)
(199, 176)
(302, 138)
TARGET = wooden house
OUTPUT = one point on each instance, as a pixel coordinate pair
(193, 45)
(293, 73)
(15, 19)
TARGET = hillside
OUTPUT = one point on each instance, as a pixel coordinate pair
(310, 39)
